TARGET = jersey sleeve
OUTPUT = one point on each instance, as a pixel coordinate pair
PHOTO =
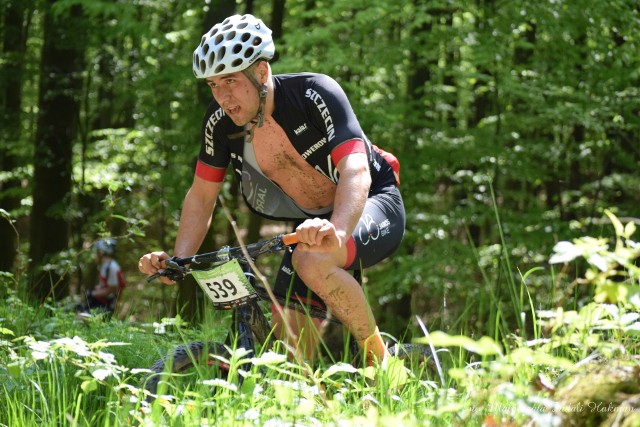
(214, 155)
(331, 110)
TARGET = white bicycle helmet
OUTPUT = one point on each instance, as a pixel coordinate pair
(232, 45)
(105, 246)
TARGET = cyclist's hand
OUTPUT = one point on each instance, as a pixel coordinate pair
(152, 263)
(319, 235)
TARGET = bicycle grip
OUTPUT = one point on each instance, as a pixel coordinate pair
(290, 239)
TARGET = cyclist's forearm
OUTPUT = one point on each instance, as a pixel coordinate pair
(195, 220)
(351, 195)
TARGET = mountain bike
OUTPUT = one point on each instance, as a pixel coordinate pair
(227, 278)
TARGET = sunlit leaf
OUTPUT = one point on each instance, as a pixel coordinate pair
(627, 318)
(598, 261)
(269, 358)
(75, 344)
(284, 392)
(565, 252)
(617, 225)
(14, 369)
(396, 373)
(611, 292)
(6, 331)
(485, 346)
(219, 382)
(524, 355)
(89, 386)
(101, 374)
(633, 328)
(629, 229)
(305, 407)
(338, 368)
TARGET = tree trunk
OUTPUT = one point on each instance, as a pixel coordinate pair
(396, 311)
(59, 106)
(16, 18)
(277, 17)
(189, 299)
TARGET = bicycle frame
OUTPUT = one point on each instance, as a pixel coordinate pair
(248, 322)
(248, 319)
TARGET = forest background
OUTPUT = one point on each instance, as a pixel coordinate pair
(516, 124)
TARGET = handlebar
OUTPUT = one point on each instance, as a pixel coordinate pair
(175, 268)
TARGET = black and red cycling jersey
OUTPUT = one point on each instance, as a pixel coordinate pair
(318, 119)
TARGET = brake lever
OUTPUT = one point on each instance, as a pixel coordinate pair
(172, 270)
(152, 277)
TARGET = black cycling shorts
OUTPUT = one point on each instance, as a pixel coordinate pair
(376, 236)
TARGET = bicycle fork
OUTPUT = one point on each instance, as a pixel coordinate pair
(249, 324)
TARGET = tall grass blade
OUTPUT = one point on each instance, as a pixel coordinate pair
(433, 350)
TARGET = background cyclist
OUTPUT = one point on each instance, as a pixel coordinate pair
(104, 295)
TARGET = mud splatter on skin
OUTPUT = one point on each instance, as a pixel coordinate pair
(281, 163)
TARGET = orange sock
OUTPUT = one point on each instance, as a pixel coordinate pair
(374, 348)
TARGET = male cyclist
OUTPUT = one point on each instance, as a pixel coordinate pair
(299, 152)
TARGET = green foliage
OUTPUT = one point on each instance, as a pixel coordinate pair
(613, 271)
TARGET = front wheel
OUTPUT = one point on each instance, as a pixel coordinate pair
(197, 354)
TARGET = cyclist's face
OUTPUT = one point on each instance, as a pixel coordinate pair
(236, 95)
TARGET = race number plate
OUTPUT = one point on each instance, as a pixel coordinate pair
(225, 285)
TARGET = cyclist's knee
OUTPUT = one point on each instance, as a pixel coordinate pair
(304, 262)
(313, 265)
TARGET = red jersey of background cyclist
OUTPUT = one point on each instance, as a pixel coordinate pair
(317, 117)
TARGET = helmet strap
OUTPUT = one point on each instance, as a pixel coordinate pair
(262, 93)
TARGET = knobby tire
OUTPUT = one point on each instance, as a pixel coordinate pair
(184, 357)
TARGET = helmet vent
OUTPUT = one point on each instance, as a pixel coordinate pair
(227, 27)
(237, 48)
(257, 41)
(220, 68)
(241, 26)
(205, 49)
(245, 37)
(231, 35)
(248, 52)
(219, 38)
(237, 62)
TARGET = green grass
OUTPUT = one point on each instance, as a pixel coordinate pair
(56, 370)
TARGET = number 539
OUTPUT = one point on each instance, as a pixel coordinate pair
(222, 289)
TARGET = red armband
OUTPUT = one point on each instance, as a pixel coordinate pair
(346, 148)
(209, 173)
